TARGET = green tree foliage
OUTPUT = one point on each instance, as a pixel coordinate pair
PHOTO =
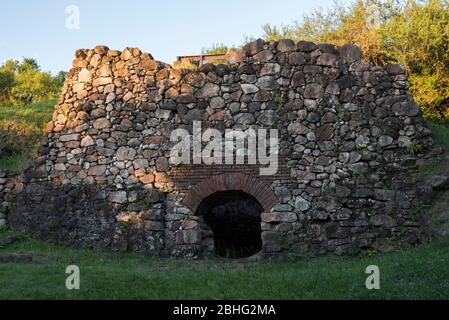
(22, 82)
(411, 32)
(60, 78)
(7, 82)
(419, 39)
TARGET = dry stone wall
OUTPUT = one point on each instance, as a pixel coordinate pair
(9, 186)
(103, 177)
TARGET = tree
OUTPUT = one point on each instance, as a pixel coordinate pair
(419, 39)
(29, 64)
(7, 82)
(33, 86)
(22, 82)
(60, 78)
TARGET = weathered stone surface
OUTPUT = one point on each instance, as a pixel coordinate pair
(439, 182)
(297, 59)
(385, 141)
(406, 109)
(286, 45)
(249, 88)
(383, 220)
(125, 153)
(328, 60)
(118, 197)
(87, 141)
(267, 83)
(268, 118)
(306, 46)
(298, 79)
(350, 53)
(301, 204)
(395, 69)
(244, 118)
(85, 76)
(97, 170)
(296, 128)
(208, 91)
(270, 69)
(101, 123)
(217, 103)
(264, 56)
(69, 137)
(325, 133)
(102, 81)
(313, 91)
(189, 225)
(254, 47)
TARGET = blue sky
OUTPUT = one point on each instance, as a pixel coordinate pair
(165, 28)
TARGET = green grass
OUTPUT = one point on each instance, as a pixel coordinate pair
(418, 273)
(440, 133)
(21, 129)
(438, 166)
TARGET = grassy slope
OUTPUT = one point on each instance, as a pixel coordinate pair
(438, 211)
(418, 273)
(21, 129)
(440, 134)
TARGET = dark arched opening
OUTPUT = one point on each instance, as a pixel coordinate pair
(234, 218)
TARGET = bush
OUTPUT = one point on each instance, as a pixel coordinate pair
(7, 82)
(23, 83)
(411, 32)
(418, 39)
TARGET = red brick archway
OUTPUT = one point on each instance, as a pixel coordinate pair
(231, 182)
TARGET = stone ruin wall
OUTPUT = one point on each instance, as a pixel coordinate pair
(103, 178)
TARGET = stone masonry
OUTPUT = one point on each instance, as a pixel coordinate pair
(103, 179)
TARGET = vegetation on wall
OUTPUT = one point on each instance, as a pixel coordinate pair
(216, 48)
(411, 32)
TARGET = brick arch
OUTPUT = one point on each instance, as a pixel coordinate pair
(231, 182)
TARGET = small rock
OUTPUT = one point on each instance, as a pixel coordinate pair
(385, 141)
(249, 88)
(244, 118)
(439, 183)
(286, 45)
(101, 123)
(87, 141)
(350, 53)
(268, 83)
(302, 204)
(118, 197)
(313, 91)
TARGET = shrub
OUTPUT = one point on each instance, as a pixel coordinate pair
(411, 32)
(23, 82)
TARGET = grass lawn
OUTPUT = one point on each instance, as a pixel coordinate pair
(418, 273)
(21, 129)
